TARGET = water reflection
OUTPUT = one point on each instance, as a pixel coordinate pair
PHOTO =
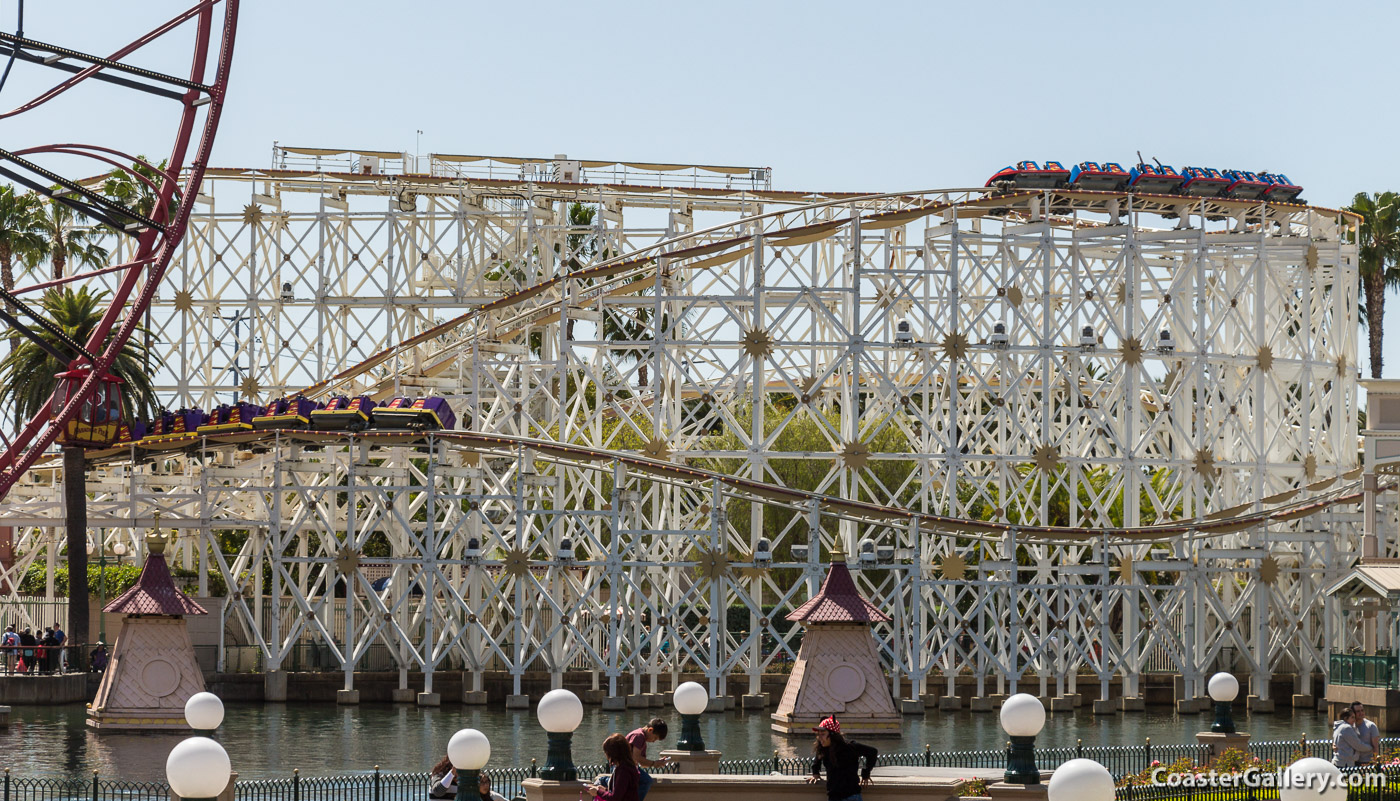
(266, 741)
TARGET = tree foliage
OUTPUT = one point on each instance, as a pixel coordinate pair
(28, 373)
(125, 187)
(67, 240)
(118, 578)
(1378, 254)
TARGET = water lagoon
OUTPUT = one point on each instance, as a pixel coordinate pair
(270, 740)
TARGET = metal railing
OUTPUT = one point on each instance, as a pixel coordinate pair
(1387, 788)
(45, 660)
(376, 785)
(1364, 670)
(81, 789)
(372, 786)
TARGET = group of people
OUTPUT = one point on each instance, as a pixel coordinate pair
(25, 653)
(841, 759)
(445, 783)
(1355, 740)
(628, 755)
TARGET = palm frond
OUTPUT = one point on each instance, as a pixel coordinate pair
(28, 374)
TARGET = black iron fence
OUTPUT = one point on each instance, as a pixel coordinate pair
(377, 785)
(1364, 784)
(84, 788)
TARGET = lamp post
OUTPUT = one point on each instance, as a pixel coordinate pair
(690, 699)
(1081, 780)
(1222, 689)
(1312, 779)
(204, 711)
(198, 769)
(1022, 716)
(559, 713)
(1222, 736)
(468, 750)
(119, 550)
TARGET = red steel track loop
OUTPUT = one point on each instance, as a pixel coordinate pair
(155, 248)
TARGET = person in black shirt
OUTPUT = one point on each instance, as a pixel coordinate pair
(49, 653)
(27, 645)
(841, 757)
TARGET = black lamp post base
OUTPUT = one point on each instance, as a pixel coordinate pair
(559, 761)
(690, 739)
(468, 785)
(1224, 720)
(1020, 762)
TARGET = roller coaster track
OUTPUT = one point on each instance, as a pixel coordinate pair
(1284, 507)
(506, 318)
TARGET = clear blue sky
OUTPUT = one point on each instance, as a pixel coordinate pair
(852, 96)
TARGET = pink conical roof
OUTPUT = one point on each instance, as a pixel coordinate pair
(838, 601)
(154, 593)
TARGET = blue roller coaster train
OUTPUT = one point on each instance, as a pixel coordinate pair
(1158, 179)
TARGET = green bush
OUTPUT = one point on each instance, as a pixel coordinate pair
(119, 579)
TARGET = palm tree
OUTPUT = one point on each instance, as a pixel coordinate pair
(632, 324)
(1378, 254)
(21, 236)
(27, 374)
(583, 247)
(123, 187)
(28, 377)
(620, 324)
(67, 241)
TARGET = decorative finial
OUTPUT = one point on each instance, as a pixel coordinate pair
(838, 552)
(155, 541)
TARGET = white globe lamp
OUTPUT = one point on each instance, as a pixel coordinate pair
(468, 751)
(198, 768)
(1081, 780)
(559, 713)
(690, 699)
(204, 711)
(1312, 779)
(1022, 716)
(1223, 688)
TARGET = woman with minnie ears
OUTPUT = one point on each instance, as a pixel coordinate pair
(841, 757)
(626, 776)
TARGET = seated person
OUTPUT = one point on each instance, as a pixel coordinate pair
(444, 783)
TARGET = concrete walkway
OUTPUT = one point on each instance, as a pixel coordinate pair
(990, 774)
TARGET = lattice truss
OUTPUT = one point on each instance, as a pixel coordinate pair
(1065, 432)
